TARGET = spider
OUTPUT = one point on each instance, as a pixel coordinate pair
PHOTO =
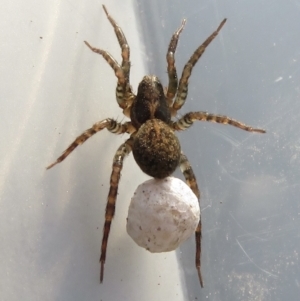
(153, 142)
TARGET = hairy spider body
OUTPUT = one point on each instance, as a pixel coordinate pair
(155, 147)
(149, 103)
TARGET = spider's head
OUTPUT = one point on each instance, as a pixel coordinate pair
(150, 102)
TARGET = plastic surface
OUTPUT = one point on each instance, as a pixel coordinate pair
(53, 88)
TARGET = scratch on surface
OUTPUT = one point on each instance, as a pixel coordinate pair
(248, 233)
(251, 260)
(238, 180)
(226, 137)
(284, 115)
(212, 230)
(204, 193)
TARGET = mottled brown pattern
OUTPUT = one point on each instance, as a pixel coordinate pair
(155, 147)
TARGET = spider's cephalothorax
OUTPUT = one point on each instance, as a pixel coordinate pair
(155, 148)
(152, 140)
(149, 103)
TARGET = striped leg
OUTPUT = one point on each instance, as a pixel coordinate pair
(187, 70)
(123, 44)
(173, 80)
(110, 124)
(121, 85)
(121, 153)
(188, 119)
(123, 90)
(191, 181)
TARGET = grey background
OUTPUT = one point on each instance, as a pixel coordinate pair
(52, 88)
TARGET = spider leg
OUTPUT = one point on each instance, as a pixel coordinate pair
(172, 73)
(188, 119)
(191, 181)
(187, 70)
(124, 94)
(121, 85)
(121, 153)
(123, 44)
(110, 124)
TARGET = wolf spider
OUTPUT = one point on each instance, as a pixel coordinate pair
(152, 141)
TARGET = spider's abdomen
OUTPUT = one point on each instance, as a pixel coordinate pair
(156, 149)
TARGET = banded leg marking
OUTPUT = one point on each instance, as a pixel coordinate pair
(123, 44)
(112, 125)
(188, 119)
(172, 72)
(190, 178)
(121, 153)
(111, 61)
(121, 85)
(187, 70)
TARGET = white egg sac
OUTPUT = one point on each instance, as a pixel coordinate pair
(162, 214)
